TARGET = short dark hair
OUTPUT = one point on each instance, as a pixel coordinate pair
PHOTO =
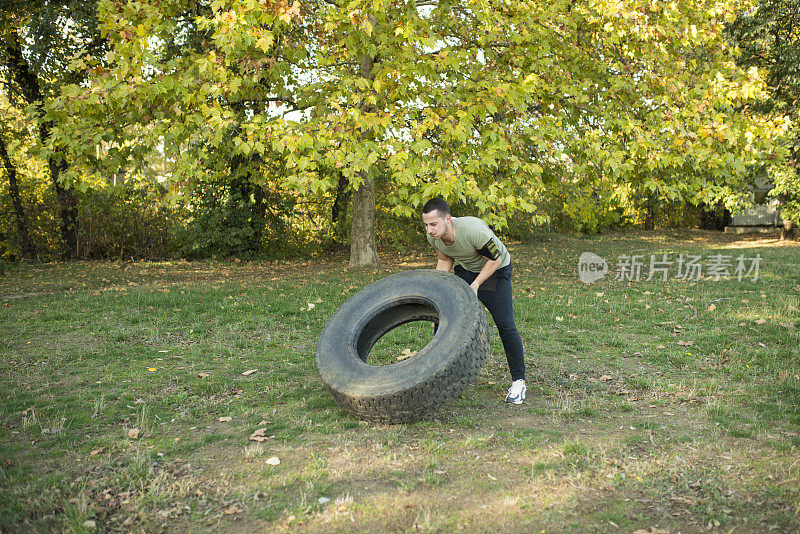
(437, 204)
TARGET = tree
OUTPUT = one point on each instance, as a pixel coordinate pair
(769, 38)
(489, 104)
(27, 246)
(38, 39)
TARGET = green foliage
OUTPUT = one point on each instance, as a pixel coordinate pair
(219, 226)
(786, 180)
(590, 211)
(266, 116)
(769, 38)
(134, 219)
(35, 189)
(479, 102)
(40, 204)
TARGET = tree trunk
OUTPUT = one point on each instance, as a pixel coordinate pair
(363, 244)
(259, 217)
(67, 211)
(650, 214)
(27, 246)
(788, 230)
(339, 211)
(31, 92)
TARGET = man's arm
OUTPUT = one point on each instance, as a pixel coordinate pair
(488, 270)
(444, 262)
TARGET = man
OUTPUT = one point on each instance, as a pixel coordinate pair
(485, 264)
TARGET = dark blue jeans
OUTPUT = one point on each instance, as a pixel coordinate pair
(495, 294)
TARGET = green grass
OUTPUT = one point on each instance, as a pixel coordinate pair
(646, 408)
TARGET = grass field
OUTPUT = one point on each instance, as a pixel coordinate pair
(671, 406)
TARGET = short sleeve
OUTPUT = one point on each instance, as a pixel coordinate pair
(479, 236)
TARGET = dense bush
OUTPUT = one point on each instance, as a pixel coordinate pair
(134, 219)
(39, 204)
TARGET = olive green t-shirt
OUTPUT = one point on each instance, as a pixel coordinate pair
(474, 242)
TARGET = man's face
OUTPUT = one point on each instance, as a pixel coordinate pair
(435, 224)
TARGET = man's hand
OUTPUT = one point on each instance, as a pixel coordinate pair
(444, 262)
(488, 270)
(475, 285)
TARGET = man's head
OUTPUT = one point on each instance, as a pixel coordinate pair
(436, 216)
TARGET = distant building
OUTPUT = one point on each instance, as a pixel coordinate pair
(764, 215)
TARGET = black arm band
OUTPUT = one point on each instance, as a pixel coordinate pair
(489, 250)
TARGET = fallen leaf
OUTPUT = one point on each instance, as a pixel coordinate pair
(559, 319)
(133, 433)
(97, 451)
(260, 435)
(318, 301)
(686, 343)
(203, 375)
(742, 324)
(606, 378)
(661, 347)
(151, 369)
(225, 419)
(311, 306)
(249, 372)
(233, 509)
(407, 353)
(273, 460)
(711, 307)
(762, 345)
(761, 321)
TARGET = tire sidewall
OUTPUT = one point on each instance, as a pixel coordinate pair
(338, 362)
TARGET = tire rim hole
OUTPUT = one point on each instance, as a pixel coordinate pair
(401, 343)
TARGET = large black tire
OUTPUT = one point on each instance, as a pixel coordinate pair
(437, 374)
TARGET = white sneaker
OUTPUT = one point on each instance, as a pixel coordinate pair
(516, 393)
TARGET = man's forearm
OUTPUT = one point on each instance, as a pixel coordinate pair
(444, 264)
(488, 270)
